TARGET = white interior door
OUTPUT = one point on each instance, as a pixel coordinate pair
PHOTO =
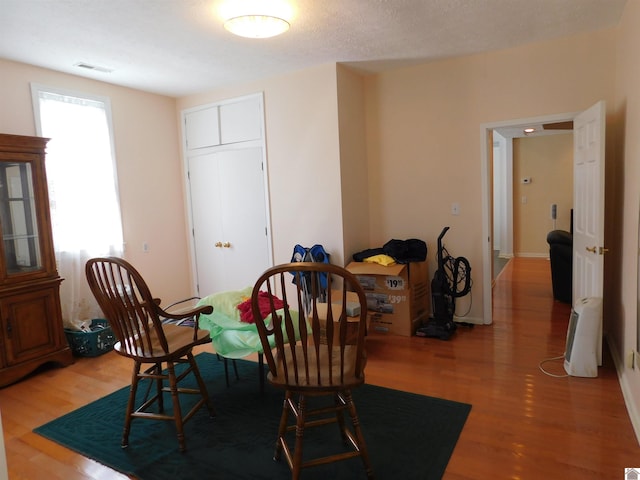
(229, 219)
(207, 230)
(244, 219)
(588, 202)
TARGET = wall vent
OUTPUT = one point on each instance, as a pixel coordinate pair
(96, 68)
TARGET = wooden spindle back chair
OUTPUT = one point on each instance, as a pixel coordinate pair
(137, 321)
(327, 360)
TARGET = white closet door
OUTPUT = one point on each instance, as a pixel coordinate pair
(229, 218)
(205, 201)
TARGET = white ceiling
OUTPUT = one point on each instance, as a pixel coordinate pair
(179, 47)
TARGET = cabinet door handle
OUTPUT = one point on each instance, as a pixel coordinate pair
(9, 328)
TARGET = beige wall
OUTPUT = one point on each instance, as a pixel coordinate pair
(423, 133)
(548, 162)
(147, 154)
(624, 194)
(353, 162)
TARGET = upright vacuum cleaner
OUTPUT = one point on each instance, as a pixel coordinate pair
(452, 280)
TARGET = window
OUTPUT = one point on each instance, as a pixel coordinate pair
(81, 175)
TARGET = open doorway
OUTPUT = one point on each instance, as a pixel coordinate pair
(532, 191)
(501, 239)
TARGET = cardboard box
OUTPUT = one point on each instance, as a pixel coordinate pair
(336, 310)
(398, 296)
(375, 277)
(400, 313)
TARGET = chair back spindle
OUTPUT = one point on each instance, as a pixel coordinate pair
(126, 301)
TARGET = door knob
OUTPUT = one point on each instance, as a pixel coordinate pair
(591, 250)
(226, 245)
(218, 244)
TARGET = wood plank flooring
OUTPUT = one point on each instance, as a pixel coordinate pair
(524, 424)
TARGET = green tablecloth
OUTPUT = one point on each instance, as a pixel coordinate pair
(231, 337)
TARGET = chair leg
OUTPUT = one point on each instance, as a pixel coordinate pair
(203, 388)
(340, 403)
(177, 411)
(226, 368)
(226, 371)
(362, 446)
(261, 371)
(296, 462)
(235, 368)
(282, 429)
(158, 371)
(130, 404)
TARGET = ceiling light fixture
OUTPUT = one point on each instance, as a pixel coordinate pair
(529, 130)
(256, 26)
(256, 18)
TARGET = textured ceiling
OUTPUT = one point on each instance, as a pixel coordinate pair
(179, 47)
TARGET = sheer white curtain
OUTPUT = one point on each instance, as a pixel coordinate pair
(85, 210)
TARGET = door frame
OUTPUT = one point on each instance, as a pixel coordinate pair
(486, 153)
(262, 142)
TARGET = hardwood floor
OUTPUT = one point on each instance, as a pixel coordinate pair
(524, 424)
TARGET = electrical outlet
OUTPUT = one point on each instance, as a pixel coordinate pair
(630, 360)
(145, 247)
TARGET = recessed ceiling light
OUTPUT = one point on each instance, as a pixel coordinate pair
(529, 130)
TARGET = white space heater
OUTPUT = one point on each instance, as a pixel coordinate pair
(583, 352)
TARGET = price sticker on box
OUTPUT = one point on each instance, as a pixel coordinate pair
(394, 283)
(397, 298)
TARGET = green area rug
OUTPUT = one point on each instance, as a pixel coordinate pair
(409, 436)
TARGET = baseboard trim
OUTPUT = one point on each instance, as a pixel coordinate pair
(473, 320)
(632, 407)
(532, 255)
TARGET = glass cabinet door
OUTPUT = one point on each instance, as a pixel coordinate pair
(18, 218)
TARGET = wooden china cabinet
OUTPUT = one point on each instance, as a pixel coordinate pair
(31, 330)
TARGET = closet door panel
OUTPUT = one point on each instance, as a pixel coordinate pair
(206, 216)
(240, 122)
(202, 128)
(244, 218)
